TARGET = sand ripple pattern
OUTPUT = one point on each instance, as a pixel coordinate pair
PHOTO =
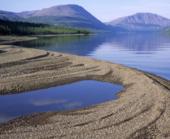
(141, 112)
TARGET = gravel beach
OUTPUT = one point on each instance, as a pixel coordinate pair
(141, 112)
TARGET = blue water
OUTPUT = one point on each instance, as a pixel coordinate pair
(68, 97)
(146, 51)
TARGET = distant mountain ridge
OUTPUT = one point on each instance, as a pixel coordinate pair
(141, 22)
(64, 15)
(60, 11)
(5, 15)
(76, 16)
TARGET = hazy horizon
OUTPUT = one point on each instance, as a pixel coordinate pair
(105, 10)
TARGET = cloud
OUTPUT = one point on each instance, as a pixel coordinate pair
(72, 105)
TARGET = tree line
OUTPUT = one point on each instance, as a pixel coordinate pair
(25, 28)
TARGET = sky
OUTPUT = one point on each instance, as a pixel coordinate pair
(105, 10)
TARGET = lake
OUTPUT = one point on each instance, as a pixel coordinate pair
(146, 51)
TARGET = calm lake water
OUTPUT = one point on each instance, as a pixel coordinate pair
(68, 97)
(146, 51)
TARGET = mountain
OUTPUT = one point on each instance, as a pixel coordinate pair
(141, 22)
(4, 15)
(76, 16)
(64, 15)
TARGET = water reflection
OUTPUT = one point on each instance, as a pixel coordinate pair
(80, 45)
(146, 51)
(43, 102)
(143, 42)
(68, 97)
(149, 52)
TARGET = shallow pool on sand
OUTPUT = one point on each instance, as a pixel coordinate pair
(67, 97)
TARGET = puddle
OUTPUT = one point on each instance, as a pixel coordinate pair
(67, 97)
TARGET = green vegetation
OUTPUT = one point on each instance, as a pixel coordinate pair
(168, 31)
(24, 28)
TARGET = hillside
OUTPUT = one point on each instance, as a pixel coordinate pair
(75, 16)
(64, 15)
(141, 22)
(24, 28)
(4, 15)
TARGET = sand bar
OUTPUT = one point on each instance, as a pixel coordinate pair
(142, 111)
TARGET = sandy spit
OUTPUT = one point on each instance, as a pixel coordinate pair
(14, 39)
(141, 112)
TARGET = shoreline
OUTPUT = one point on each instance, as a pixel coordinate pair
(7, 40)
(142, 110)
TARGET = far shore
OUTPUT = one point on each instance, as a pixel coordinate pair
(6, 39)
(142, 110)
(53, 35)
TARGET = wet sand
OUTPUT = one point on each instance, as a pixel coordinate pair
(142, 110)
(13, 39)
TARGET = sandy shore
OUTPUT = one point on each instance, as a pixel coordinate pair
(141, 112)
(14, 39)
